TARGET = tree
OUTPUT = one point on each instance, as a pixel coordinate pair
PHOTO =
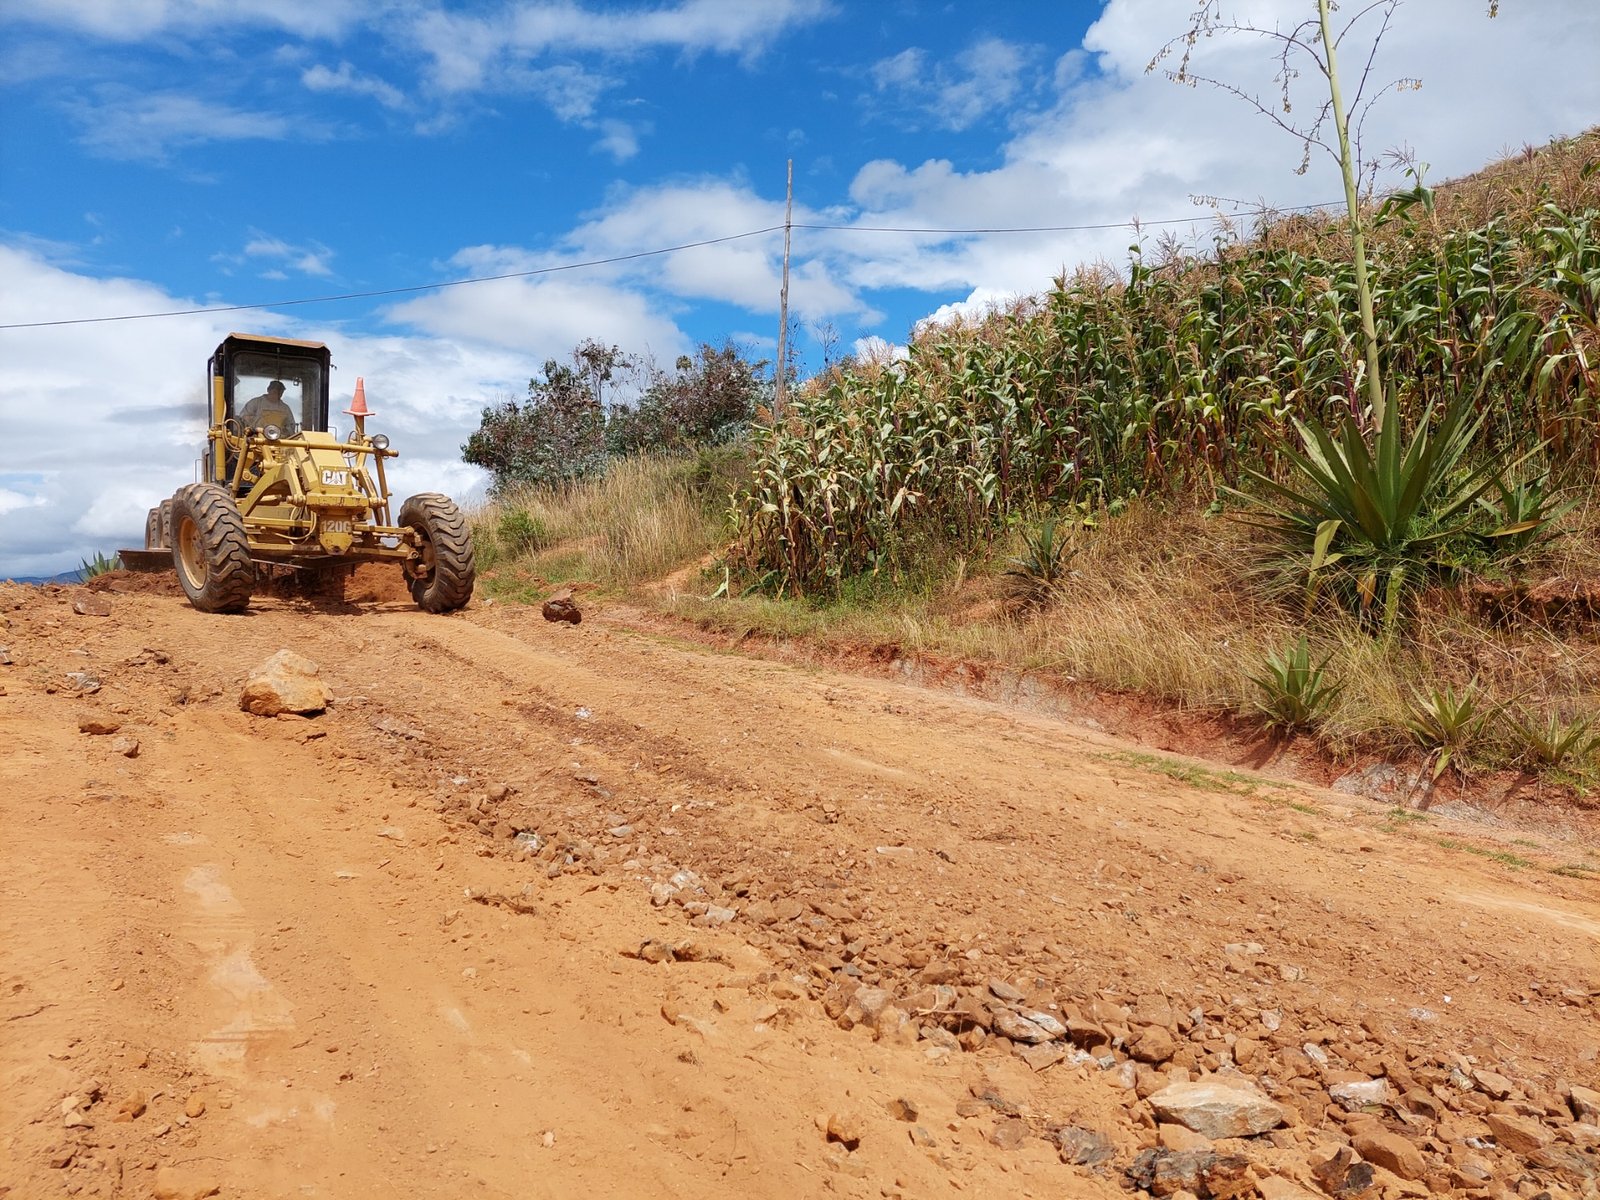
(558, 435)
(708, 400)
(1313, 39)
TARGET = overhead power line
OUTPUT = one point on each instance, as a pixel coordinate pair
(1049, 228)
(396, 291)
(622, 258)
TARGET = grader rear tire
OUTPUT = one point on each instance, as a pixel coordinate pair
(211, 550)
(158, 527)
(449, 572)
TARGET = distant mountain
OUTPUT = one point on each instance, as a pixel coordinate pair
(64, 577)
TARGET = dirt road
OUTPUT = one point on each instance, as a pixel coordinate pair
(544, 910)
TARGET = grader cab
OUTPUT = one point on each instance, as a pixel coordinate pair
(281, 488)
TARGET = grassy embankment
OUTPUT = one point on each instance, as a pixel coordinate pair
(916, 505)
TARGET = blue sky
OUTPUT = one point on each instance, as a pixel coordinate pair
(173, 154)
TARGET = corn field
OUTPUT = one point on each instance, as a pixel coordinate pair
(1173, 379)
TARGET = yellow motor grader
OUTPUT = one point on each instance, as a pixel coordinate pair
(281, 489)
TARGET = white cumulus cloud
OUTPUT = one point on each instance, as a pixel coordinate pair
(985, 79)
(473, 50)
(120, 125)
(345, 78)
(135, 20)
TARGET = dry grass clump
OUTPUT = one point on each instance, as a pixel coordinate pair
(641, 520)
(1575, 554)
(953, 616)
(1156, 602)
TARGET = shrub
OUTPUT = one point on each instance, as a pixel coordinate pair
(708, 401)
(558, 434)
(521, 532)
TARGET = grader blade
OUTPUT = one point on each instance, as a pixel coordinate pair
(146, 560)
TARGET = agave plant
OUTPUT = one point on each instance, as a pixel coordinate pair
(1294, 693)
(1033, 577)
(88, 568)
(1551, 740)
(1524, 513)
(1448, 723)
(1376, 513)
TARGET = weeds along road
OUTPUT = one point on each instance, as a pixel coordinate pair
(545, 910)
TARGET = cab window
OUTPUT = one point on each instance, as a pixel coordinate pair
(253, 372)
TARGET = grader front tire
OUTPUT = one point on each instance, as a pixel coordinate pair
(211, 550)
(448, 569)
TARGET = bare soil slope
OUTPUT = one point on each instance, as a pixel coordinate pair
(547, 910)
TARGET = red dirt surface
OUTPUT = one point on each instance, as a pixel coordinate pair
(537, 909)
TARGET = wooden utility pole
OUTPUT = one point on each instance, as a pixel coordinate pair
(783, 300)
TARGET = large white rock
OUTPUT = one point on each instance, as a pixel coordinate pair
(286, 683)
(1359, 1092)
(1216, 1109)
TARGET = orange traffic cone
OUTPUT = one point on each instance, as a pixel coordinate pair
(358, 404)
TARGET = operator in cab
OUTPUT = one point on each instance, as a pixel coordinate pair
(269, 409)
